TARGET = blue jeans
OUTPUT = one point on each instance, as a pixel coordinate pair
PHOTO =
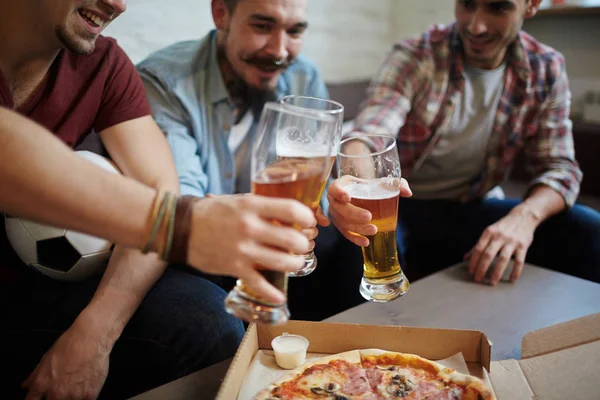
(180, 327)
(434, 234)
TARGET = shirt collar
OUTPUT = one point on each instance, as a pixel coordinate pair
(217, 91)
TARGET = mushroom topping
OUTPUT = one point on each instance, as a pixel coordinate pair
(400, 386)
(389, 368)
(319, 391)
(327, 389)
(331, 387)
(340, 397)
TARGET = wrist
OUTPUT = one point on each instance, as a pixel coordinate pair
(184, 215)
(526, 211)
(93, 326)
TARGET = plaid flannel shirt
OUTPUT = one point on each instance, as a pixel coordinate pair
(414, 94)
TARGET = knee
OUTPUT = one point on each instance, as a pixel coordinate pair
(201, 330)
(585, 222)
(585, 229)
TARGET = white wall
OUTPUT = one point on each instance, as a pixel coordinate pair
(348, 43)
(348, 39)
(149, 25)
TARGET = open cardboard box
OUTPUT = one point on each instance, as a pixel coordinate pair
(559, 362)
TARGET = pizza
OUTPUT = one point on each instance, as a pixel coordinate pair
(375, 375)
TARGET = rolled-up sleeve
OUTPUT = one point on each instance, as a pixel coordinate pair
(172, 119)
(390, 93)
(550, 152)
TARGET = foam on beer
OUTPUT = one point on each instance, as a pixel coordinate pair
(373, 189)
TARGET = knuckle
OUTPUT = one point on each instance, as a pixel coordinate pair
(246, 201)
(503, 257)
(246, 226)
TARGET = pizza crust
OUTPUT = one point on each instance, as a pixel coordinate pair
(352, 357)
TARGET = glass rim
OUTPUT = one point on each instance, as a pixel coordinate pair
(338, 110)
(375, 153)
(309, 113)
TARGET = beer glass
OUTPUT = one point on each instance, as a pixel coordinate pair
(336, 110)
(289, 159)
(369, 170)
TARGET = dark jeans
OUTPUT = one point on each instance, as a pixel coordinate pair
(180, 327)
(435, 234)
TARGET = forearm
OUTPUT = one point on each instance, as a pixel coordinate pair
(130, 274)
(39, 181)
(126, 281)
(540, 204)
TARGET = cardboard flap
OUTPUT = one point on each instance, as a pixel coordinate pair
(237, 370)
(561, 336)
(430, 343)
(567, 374)
(508, 381)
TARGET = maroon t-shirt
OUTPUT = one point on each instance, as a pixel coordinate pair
(79, 93)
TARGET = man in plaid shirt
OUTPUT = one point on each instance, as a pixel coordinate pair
(462, 101)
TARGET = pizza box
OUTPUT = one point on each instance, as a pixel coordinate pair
(558, 362)
(334, 338)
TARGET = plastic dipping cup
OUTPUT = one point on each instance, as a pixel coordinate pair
(290, 350)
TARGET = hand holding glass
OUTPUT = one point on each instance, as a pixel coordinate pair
(289, 159)
(369, 170)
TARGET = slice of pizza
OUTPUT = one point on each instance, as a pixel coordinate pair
(407, 376)
(335, 377)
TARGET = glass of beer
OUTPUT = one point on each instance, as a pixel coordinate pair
(289, 159)
(336, 111)
(369, 170)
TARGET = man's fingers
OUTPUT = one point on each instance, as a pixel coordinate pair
(257, 283)
(405, 188)
(342, 222)
(477, 251)
(286, 211)
(336, 192)
(502, 263)
(275, 259)
(34, 395)
(322, 220)
(518, 265)
(358, 240)
(277, 236)
(486, 259)
(349, 214)
(310, 233)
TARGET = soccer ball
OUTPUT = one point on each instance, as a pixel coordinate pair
(59, 253)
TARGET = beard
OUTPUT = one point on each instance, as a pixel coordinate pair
(244, 96)
(76, 44)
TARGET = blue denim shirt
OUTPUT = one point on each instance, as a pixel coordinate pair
(191, 105)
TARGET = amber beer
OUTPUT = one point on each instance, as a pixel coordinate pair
(290, 178)
(381, 199)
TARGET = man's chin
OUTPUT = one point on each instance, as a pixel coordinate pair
(77, 44)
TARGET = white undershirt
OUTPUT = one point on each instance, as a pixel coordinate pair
(239, 131)
(460, 154)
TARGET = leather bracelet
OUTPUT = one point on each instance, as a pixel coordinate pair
(181, 234)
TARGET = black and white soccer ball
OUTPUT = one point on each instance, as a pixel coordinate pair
(60, 253)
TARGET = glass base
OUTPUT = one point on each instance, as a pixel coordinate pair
(310, 263)
(384, 290)
(253, 311)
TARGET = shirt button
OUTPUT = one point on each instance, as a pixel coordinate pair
(228, 175)
(226, 127)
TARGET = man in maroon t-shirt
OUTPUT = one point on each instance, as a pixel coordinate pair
(57, 337)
